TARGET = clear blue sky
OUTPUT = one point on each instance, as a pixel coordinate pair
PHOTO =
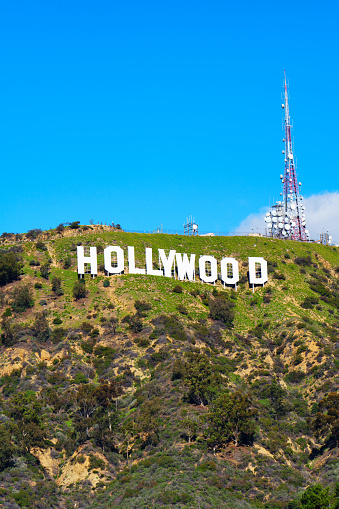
(143, 112)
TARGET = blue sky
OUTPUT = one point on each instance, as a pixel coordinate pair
(145, 112)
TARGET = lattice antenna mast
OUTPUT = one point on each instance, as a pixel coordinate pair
(286, 219)
(292, 199)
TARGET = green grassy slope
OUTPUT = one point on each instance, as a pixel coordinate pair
(284, 333)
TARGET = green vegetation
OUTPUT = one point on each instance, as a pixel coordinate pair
(165, 394)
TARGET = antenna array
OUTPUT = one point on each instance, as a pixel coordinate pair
(286, 218)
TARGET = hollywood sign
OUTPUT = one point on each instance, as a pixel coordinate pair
(171, 264)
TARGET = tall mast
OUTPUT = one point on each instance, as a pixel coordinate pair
(292, 199)
(286, 219)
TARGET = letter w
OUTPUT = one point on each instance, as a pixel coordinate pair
(186, 267)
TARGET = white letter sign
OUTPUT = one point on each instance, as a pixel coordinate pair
(108, 259)
(202, 269)
(91, 259)
(257, 268)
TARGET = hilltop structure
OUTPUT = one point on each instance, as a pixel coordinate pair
(286, 219)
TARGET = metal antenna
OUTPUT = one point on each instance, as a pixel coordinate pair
(287, 218)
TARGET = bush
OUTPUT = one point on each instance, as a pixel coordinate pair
(22, 299)
(41, 246)
(182, 310)
(58, 334)
(10, 268)
(303, 261)
(79, 289)
(45, 270)
(80, 379)
(40, 328)
(74, 225)
(295, 377)
(37, 286)
(33, 234)
(60, 228)
(67, 263)
(57, 321)
(222, 310)
(106, 283)
(56, 286)
(177, 289)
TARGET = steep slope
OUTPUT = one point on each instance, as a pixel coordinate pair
(137, 396)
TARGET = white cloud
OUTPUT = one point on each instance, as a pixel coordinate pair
(322, 214)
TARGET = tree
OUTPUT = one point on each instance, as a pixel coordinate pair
(148, 421)
(277, 395)
(33, 234)
(222, 309)
(41, 328)
(201, 378)
(56, 286)
(74, 225)
(22, 298)
(8, 334)
(28, 427)
(45, 270)
(95, 413)
(79, 289)
(60, 228)
(326, 421)
(315, 497)
(10, 268)
(230, 420)
(7, 448)
(189, 426)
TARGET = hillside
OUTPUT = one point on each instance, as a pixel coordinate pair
(149, 392)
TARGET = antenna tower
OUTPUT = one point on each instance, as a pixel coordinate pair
(287, 217)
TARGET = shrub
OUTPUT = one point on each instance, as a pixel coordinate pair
(304, 261)
(80, 379)
(34, 263)
(37, 286)
(58, 334)
(142, 306)
(60, 228)
(40, 327)
(74, 225)
(182, 310)
(106, 283)
(177, 289)
(56, 286)
(43, 302)
(222, 310)
(10, 268)
(67, 263)
(45, 270)
(295, 377)
(57, 321)
(79, 289)
(41, 246)
(22, 299)
(33, 234)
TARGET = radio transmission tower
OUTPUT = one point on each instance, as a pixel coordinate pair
(287, 218)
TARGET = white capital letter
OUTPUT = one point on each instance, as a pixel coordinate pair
(91, 259)
(202, 269)
(149, 264)
(167, 262)
(226, 273)
(185, 266)
(131, 262)
(257, 268)
(108, 259)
